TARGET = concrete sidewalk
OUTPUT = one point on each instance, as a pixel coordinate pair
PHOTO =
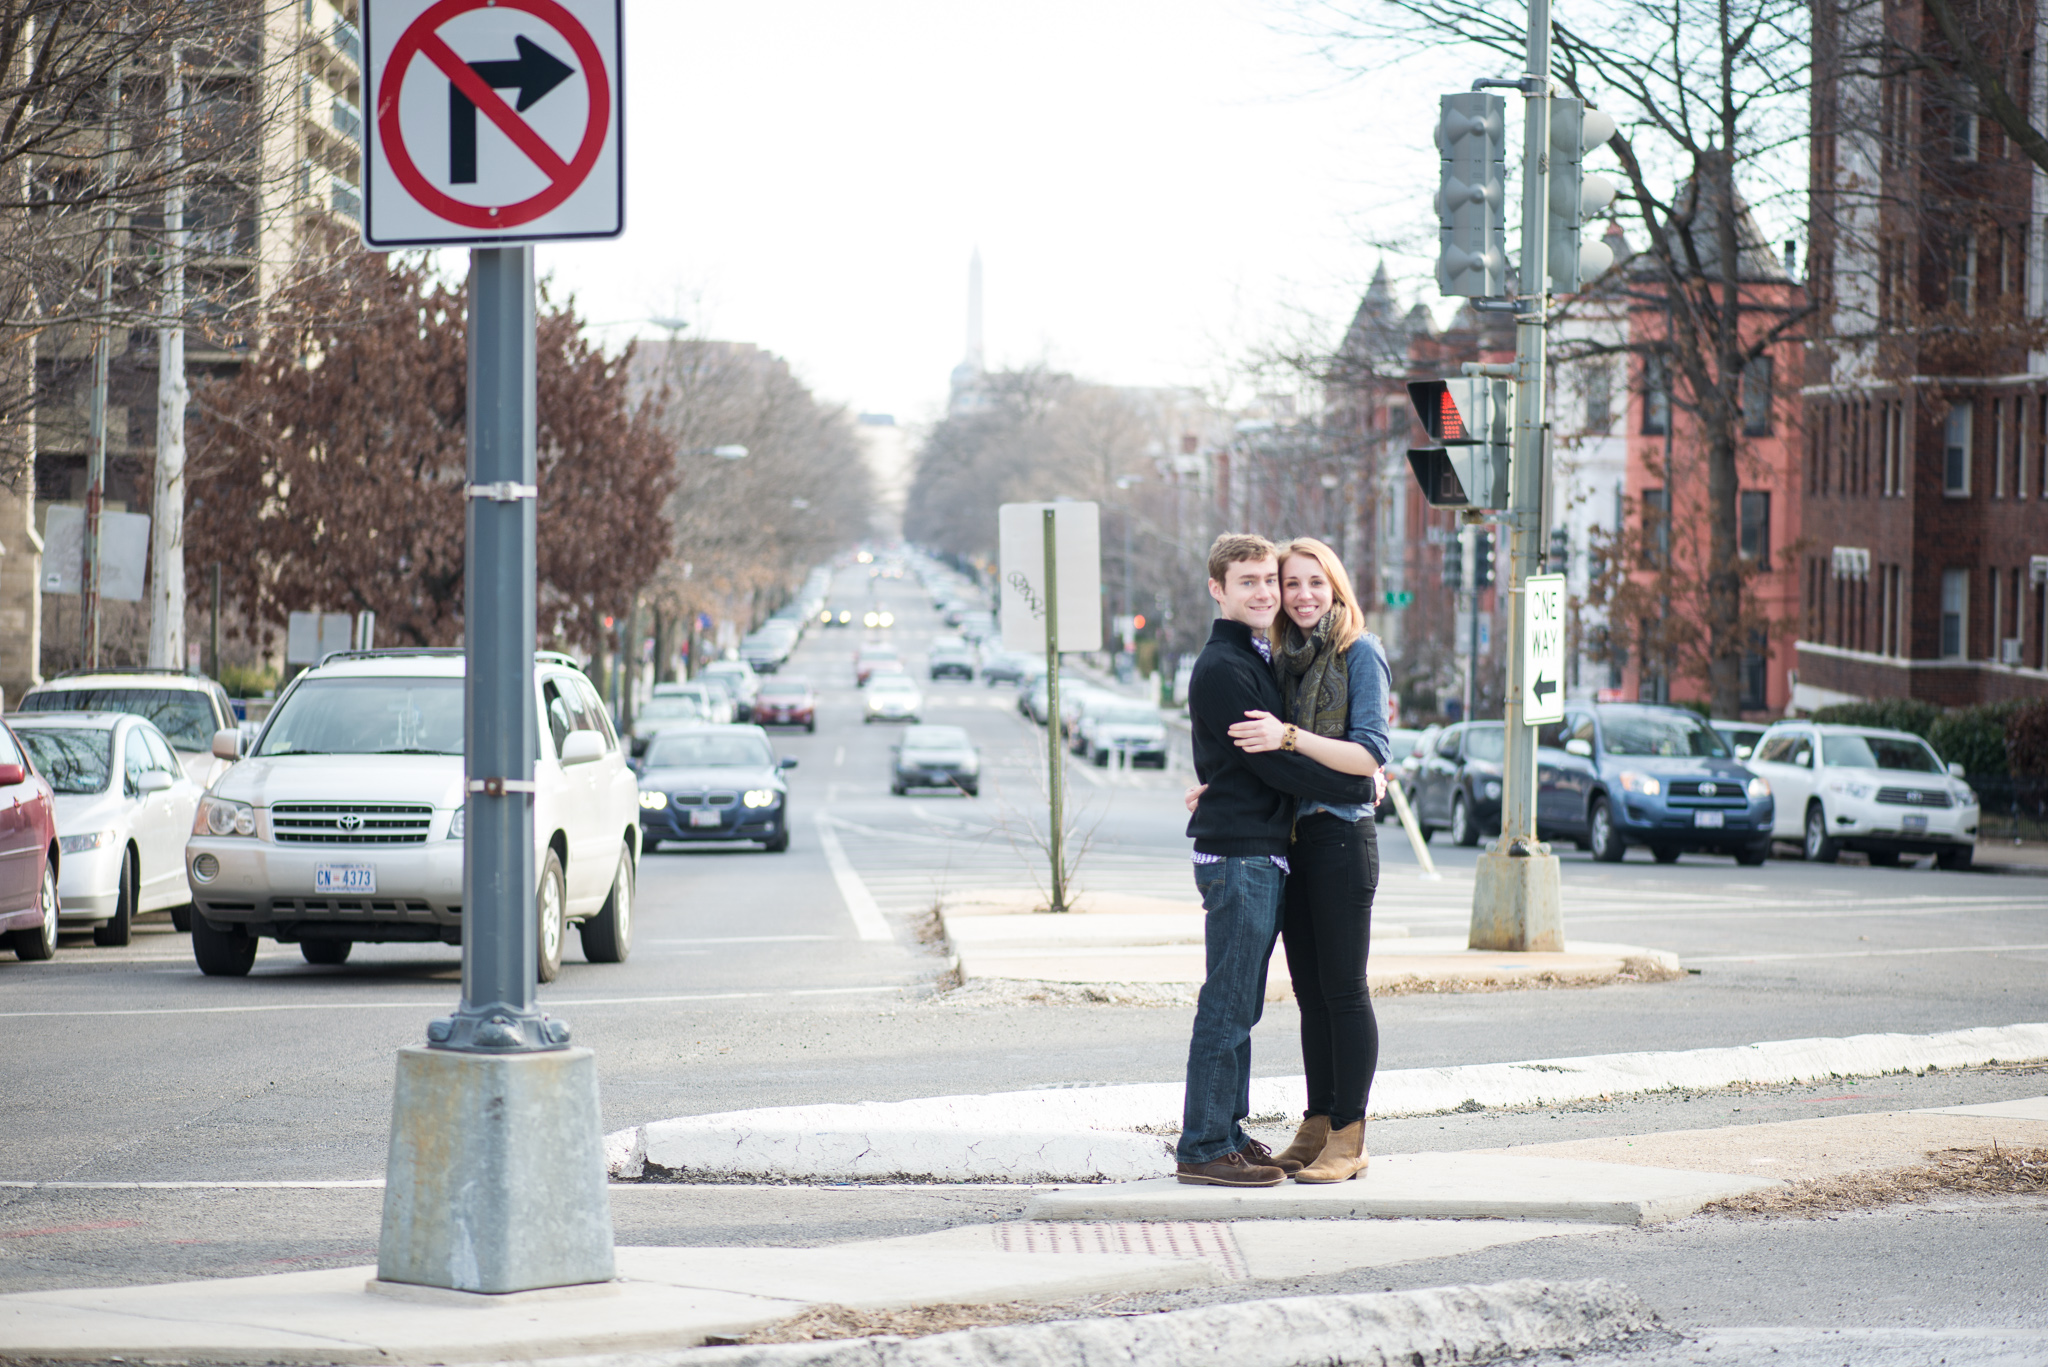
(1126, 938)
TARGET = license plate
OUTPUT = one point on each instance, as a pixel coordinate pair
(1710, 820)
(345, 878)
(1916, 821)
(706, 818)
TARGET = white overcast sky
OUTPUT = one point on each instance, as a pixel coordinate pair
(1154, 187)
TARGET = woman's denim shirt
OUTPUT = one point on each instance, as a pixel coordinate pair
(1371, 681)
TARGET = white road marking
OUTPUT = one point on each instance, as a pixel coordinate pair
(743, 940)
(377, 1183)
(839, 757)
(860, 903)
(1864, 953)
(428, 1004)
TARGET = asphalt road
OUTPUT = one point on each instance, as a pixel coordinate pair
(749, 986)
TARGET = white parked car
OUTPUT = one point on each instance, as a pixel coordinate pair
(187, 708)
(124, 808)
(1111, 725)
(892, 697)
(1885, 793)
(345, 821)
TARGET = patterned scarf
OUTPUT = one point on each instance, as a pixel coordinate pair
(1313, 677)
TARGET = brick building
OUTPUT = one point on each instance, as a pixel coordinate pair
(1925, 470)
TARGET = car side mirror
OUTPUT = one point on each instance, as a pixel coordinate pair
(581, 747)
(227, 744)
(11, 774)
(155, 781)
(786, 762)
(1582, 748)
(1743, 751)
(1955, 771)
(1804, 759)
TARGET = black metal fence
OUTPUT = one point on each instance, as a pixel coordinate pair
(2014, 808)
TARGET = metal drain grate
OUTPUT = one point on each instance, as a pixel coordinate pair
(1209, 1239)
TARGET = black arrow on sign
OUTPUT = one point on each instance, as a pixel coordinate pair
(1543, 687)
(534, 72)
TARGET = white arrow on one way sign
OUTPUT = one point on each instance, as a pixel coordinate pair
(1543, 623)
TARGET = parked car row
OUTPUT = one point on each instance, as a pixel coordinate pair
(1612, 775)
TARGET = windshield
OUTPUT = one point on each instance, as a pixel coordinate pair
(935, 738)
(1871, 752)
(1670, 735)
(1485, 743)
(1128, 714)
(708, 752)
(892, 683)
(788, 692)
(671, 706)
(74, 759)
(368, 717)
(183, 714)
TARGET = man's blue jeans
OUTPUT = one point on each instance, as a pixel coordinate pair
(1241, 897)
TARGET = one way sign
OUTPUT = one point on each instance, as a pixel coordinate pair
(1543, 621)
(492, 122)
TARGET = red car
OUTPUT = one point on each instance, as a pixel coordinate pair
(28, 854)
(787, 702)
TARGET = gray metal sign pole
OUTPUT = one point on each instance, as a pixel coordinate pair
(1515, 897)
(1055, 748)
(496, 1177)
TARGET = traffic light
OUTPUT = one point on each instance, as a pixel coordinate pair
(1466, 466)
(1575, 195)
(1471, 196)
(1482, 561)
(1454, 566)
(1560, 550)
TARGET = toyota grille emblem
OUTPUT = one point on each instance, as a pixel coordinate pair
(1708, 790)
(1913, 795)
(349, 822)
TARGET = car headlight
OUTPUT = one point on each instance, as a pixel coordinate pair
(458, 825)
(653, 801)
(223, 816)
(1492, 790)
(1759, 787)
(1859, 791)
(78, 844)
(871, 619)
(1646, 784)
(888, 619)
(759, 797)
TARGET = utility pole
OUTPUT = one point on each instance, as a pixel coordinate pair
(167, 502)
(1055, 749)
(102, 356)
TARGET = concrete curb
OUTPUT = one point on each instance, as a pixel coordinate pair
(1084, 1134)
(1457, 1324)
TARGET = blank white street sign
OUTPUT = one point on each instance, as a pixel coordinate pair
(1077, 546)
(492, 122)
(1543, 621)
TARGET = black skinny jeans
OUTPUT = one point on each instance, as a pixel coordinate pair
(1327, 928)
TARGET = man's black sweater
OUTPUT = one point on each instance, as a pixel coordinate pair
(1249, 807)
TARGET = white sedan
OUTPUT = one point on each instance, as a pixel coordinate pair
(124, 808)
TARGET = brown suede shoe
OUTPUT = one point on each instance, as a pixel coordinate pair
(1307, 1146)
(1231, 1170)
(1342, 1159)
(1259, 1156)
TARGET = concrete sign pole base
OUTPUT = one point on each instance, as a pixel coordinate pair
(496, 1179)
(1517, 904)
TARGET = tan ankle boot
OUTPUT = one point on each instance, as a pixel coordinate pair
(1308, 1143)
(1342, 1158)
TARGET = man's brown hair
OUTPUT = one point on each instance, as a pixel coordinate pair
(1232, 547)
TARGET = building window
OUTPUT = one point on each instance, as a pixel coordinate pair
(1756, 398)
(1955, 614)
(1955, 450)
(1656, 529)
(1962, 270)
(1656, 396)
(1756, 666)
(1962, 129)
(1755, 534)
(1599, 397)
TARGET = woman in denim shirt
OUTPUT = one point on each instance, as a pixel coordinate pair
(1334, 674)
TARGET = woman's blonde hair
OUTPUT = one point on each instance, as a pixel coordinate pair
(1343, 598)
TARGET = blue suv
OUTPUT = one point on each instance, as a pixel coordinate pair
(1613, 775)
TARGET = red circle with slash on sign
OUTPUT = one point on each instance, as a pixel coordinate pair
(423, 38)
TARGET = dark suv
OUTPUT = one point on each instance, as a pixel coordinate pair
(1618, 774)
(1457, 781)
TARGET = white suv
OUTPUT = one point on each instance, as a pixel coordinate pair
(1885, 793)
(345, 820)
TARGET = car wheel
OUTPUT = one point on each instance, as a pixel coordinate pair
(1664, 854)
(971, 789)
(781, 840)
(181, 919)
(608, 936)
(810, 728)
(551, 906)
(121, 928)
(1423, 833)
(1819, 847)
(1759, 852)
(1955, 859)
(1464, 830)
(40, 941)
(1100, 759)
(228, 952)
(326, 951)
(1608, 846)
(1884, 859)
(896, 790)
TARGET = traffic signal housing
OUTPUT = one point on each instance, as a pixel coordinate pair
(1471, 196)
(1454, 566)
(1466, 464)
(1482, 562)
(1575, 194)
